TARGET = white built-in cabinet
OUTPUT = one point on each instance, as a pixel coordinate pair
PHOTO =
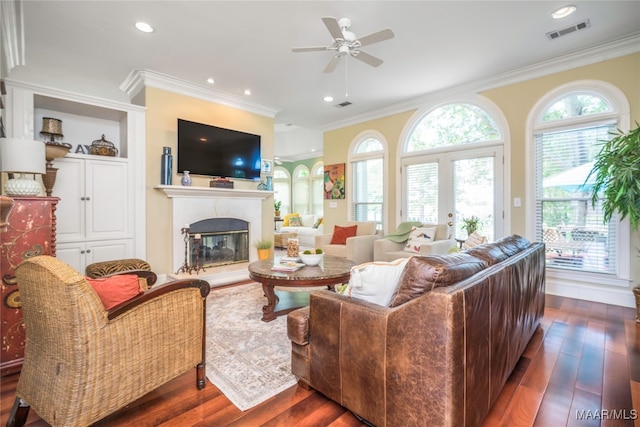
(101, 212)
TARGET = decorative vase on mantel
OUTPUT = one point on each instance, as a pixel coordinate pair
(186, 179)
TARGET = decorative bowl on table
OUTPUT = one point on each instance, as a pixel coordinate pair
(311, 259)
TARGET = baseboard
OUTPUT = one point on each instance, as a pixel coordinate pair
(615, 296)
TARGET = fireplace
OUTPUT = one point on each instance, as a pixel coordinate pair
(221, 241)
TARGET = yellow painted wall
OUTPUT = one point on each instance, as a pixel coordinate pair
(515, 101)
(163, 110)
(336, 147)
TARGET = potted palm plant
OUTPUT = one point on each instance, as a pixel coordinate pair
(470, 224)
(264, 248)
(616, 172)
(276, 207)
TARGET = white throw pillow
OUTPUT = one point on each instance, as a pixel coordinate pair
(307, 220)
(375, 282)
(417, 237)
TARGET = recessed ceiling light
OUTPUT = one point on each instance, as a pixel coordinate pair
(247, 92)
(327, 98)
(210, 80)
(144, 27)
(563, 12)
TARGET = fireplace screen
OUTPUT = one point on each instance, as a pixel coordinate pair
(222, 241)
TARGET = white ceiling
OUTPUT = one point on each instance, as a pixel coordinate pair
(91, 47)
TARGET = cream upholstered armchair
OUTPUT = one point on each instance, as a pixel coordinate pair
(83, 362)
(388, 250)
(358, 248)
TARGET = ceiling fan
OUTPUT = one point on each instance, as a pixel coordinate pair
(345, 42)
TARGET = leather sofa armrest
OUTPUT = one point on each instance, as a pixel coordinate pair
(438, 247)
(382, 246)
(298, 326)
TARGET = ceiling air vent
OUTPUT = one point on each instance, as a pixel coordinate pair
(568, 30)
(343, 104)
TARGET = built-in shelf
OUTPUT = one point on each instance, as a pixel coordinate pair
(212, 192)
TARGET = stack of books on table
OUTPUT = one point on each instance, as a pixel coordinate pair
(287, 266)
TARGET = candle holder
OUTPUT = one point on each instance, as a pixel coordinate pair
(185, 267)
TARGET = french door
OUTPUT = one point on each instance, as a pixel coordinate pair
(447, 187)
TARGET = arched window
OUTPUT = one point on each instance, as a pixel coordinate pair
(367, 164)
(317, 190)
(301, 185)
(452, 167)
(282, 189)
(568, 127)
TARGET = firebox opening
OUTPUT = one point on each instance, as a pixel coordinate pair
(222, 241)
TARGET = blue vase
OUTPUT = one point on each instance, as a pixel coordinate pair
(166, 166)
(269, 183)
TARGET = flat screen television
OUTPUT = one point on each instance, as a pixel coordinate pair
(217, 152)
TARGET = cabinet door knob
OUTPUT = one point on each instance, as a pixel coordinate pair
(88, 198)
(82, 198)
(88, 251)
(81, 252)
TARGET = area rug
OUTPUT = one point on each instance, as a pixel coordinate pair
(247, 359)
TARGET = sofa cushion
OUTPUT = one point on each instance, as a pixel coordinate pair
(295, 221)
(287, 218)
(114, 290)
(375, 282)
(307, 220)
(417, 237)
(474, 239)
(422, 274)
(340, 234)
(499, 250)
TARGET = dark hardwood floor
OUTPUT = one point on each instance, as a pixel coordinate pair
(583, 360)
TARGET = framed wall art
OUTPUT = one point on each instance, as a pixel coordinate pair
(267, 166)
(334, 184)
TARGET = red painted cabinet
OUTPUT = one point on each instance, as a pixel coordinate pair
(31, 232)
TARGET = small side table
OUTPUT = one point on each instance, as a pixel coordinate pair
(277, 222)
(460, 242)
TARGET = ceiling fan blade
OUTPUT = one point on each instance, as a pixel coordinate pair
(333, 63)
(376, 37)
(333, 27)
(309, 49)
(367, 59)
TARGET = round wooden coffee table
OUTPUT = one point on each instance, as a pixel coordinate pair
(330, 272)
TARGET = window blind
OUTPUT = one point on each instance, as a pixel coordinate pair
(573, 230)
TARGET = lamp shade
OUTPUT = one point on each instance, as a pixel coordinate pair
(51, 126)
(22, 156)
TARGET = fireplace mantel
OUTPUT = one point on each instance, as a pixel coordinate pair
(200, 192)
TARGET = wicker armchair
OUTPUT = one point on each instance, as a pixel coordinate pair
(82, 362)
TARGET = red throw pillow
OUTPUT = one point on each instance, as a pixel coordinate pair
(340, 234)
(116, 289)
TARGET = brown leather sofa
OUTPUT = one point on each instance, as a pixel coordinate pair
(438, 359)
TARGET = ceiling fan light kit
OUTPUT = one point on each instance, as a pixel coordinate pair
(345, 43)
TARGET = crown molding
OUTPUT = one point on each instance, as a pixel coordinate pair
(593, 55)
(138, 79)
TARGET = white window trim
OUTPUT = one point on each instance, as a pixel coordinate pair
(315, 177)
(294, 179)
(561, 281)
(352, 156)
(288, 181)
(505, 140)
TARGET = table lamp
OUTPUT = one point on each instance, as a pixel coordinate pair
(22, 156)
(54, 150)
